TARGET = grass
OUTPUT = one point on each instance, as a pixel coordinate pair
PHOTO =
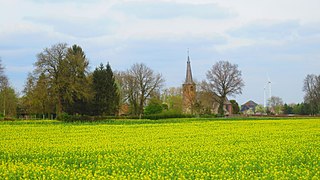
(178, 148)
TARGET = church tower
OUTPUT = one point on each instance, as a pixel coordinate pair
(189, 91)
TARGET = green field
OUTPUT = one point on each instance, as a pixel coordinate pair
(189, 148)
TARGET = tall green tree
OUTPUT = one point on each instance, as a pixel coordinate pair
(106, 95)
(73, 84)
(26, 101)
(37, 99)
(40, 97)
(9, 101)
(8, 96)
(66, 73)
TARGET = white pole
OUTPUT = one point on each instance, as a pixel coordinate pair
(269, 83)
(264, 96)
(270, 90)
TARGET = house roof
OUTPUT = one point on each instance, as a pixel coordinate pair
(250, 104)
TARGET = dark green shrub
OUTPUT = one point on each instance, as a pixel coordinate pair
(154, 107)
(64, 117)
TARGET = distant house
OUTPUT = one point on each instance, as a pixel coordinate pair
(248, 107)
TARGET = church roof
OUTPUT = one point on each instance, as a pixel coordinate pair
(189, 73)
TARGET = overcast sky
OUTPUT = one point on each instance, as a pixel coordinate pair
(275, 38)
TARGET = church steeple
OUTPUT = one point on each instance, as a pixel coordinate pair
(189, 73)
(189, 91)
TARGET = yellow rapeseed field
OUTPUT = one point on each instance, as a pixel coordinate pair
(190, 149)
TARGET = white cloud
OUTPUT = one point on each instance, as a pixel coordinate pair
(170, 10)
(77, 27)
(250, 10)
(258, 35)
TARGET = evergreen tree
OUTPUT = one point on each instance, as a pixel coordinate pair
(287, 109)
(106, 96)
(74, 85)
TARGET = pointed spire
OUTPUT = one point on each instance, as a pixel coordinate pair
(189, 73)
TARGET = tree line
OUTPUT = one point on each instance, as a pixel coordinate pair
(61, 83)
(311, 104)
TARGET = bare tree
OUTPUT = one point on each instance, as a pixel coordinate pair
(137, 84)
(3, 78)
(4, 87)
(312, 89)
(276, 104)
(49, 60)
(128, 90)
(173, 98)
(224, 79)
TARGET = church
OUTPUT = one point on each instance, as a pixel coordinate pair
(203, 101)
